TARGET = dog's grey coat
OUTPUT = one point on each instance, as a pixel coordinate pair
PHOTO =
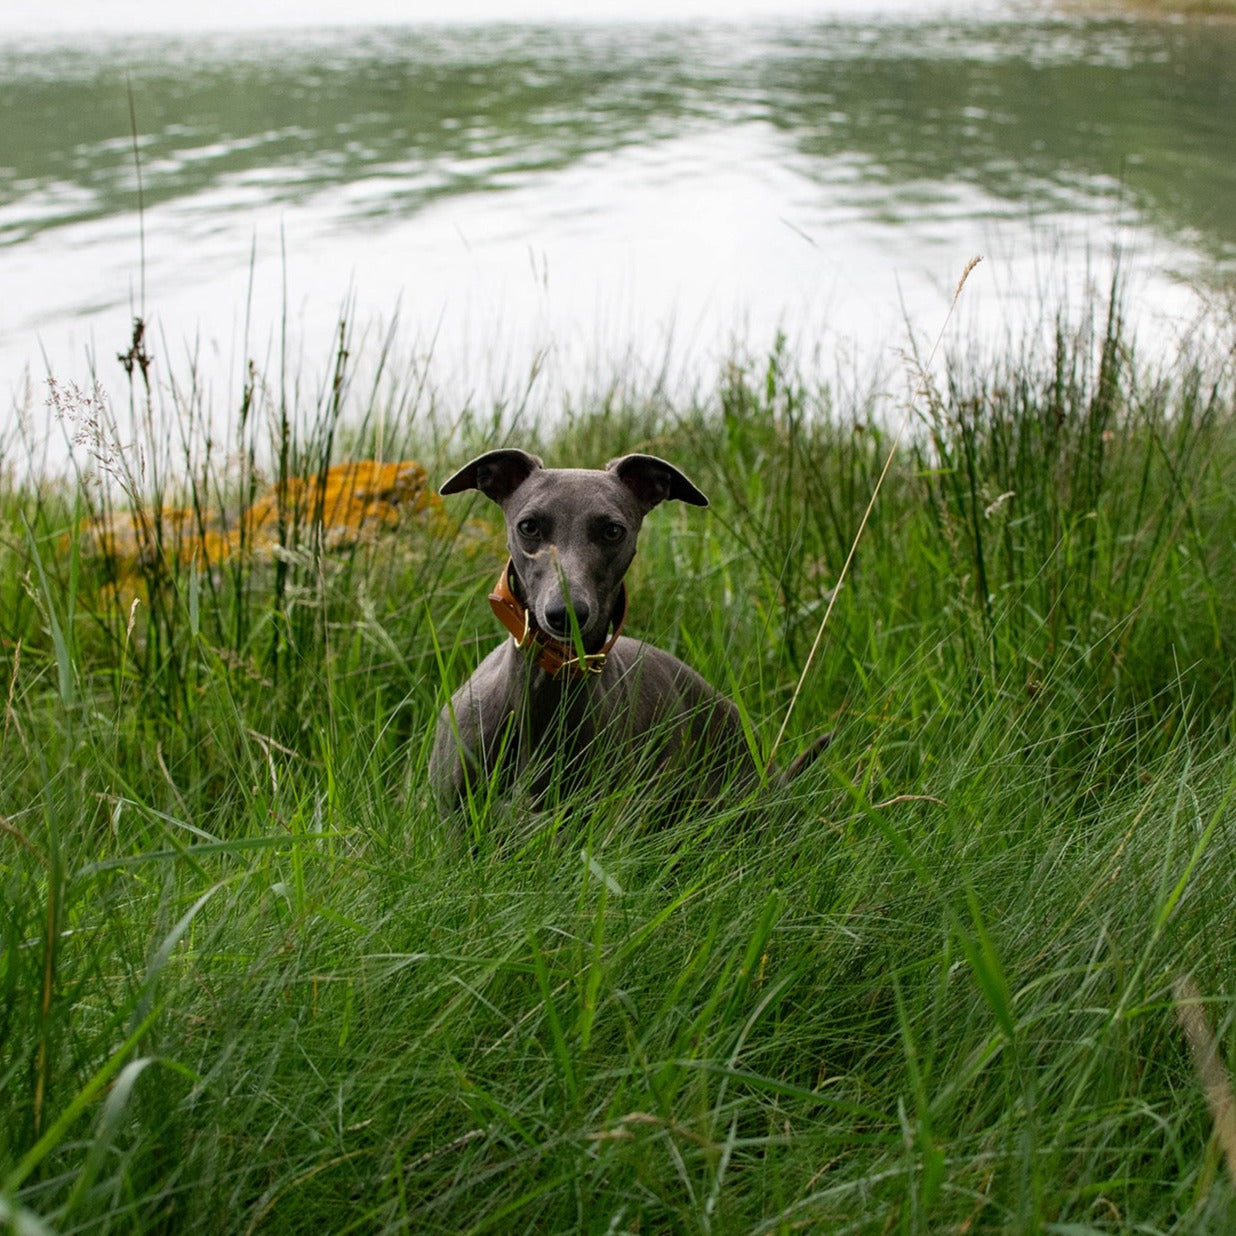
(572, 534)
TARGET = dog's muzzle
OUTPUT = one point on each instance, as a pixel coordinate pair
(553, 655)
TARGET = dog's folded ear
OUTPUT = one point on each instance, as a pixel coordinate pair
(497, 474)
(652, 480)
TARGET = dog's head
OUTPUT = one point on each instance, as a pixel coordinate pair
(571, 531)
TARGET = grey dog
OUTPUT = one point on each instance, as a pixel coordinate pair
(568, 695)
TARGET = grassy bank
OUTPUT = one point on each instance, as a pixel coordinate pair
(252, 984)
(1159, 8)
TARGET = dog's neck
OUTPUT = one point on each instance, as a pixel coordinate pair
(554, 656)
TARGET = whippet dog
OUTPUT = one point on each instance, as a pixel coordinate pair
(568, 696)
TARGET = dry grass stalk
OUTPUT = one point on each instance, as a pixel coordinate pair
(1216, 1083)
(875, 493)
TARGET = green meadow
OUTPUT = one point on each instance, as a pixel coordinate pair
(972, 972)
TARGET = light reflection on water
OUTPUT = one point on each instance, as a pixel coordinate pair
(589, 193)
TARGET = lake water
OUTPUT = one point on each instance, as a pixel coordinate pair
(589, 201)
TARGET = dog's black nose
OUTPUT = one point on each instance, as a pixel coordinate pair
(558, 622)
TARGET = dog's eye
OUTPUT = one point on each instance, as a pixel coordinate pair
(528, 528)
(613, 533)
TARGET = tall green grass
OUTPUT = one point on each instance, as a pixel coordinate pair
(251, 983)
